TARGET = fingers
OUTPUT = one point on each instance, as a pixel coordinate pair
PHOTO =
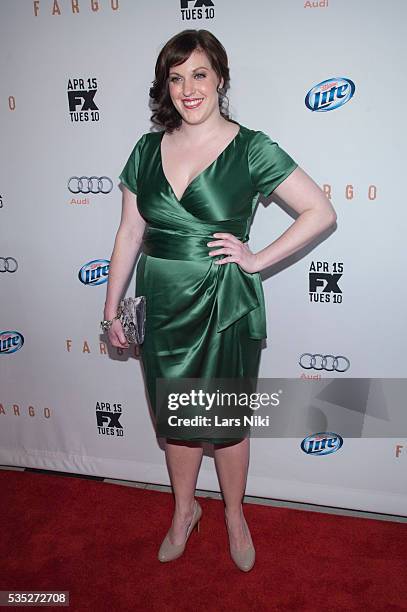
(226, 251)
(116, 336)
(121, 337)
(231, 245)
(118, 343)
(224, 238)
(226, 260)
(226, 235)
(232, 254)
(234, 250)
(122, 340)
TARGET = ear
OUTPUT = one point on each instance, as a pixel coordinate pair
(221, 83)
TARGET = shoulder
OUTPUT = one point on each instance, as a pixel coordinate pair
(152, 136)
(150, 140)
(256, 140)
(147, 138)
(144, 141)
(256, 137)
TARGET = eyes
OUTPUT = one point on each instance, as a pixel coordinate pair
(175, 79)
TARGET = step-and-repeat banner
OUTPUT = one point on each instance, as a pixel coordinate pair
(317, 78)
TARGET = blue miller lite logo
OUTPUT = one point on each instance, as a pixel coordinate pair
(330, 94)
(10, 342)
(322, 443)
(94, 272)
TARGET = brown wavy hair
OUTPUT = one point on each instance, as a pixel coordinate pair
(176, 51)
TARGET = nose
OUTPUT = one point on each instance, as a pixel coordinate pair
(188, 88)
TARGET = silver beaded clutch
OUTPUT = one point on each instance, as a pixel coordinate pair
(132, 315)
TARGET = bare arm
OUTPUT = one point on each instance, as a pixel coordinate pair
(316, 214)
(127, 243)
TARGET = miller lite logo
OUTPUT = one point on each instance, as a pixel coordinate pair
(329, 94)
(94, 272)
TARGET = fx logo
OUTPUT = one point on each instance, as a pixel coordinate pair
(328, 282)
(82, 95)
(323, 280)
(108, 419)
(81, 100)
(197, 3)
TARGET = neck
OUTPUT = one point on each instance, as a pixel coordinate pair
(202, 132)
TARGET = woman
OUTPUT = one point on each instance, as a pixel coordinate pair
(188, 198)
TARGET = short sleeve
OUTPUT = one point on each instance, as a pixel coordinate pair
(269, 164)
(129, 173)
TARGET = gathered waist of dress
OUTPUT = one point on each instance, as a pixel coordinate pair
(230, 281)
(170, 244)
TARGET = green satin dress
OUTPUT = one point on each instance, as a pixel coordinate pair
(202, 319)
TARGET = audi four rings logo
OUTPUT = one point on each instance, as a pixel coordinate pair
(8, 264)
(91, 184)
(329, 363)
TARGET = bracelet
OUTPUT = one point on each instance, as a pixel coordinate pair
(106, 325)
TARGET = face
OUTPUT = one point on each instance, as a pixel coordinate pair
(192, 87)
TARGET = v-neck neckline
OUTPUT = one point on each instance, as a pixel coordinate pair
(200, 173)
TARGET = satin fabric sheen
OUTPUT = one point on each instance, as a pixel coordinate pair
(203, 320)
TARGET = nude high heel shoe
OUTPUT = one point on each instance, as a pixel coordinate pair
(169, 551)
(244, 559)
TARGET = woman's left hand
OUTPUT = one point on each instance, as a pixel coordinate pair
(235, 250)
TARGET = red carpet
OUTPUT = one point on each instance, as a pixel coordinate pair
(100, 542)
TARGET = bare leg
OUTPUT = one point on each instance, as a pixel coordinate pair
(183, 462)
(232, 463)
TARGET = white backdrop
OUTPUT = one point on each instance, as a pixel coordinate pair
(56, 382)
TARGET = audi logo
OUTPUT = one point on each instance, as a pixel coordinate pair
(91, 184)
(8, 264)
(329, 363)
